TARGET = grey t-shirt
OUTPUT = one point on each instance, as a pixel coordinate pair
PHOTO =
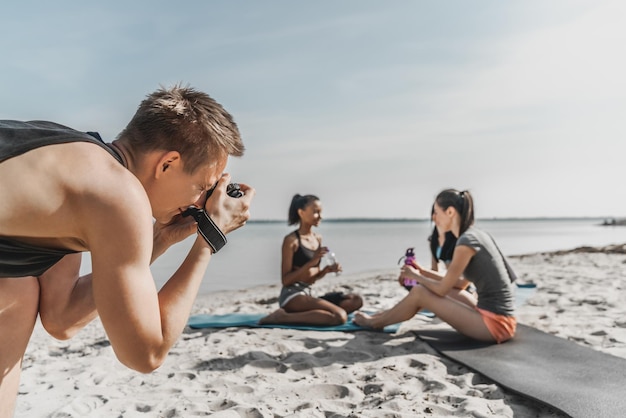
(487, 270)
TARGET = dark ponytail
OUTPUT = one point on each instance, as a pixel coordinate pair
(447, 249)
(298, 202)
(462, 201)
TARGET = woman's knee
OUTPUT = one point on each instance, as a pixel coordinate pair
(340, 316)
(417, 291)
(352, 302)
(422, 296)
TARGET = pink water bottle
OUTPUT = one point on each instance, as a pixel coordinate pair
(409, 259)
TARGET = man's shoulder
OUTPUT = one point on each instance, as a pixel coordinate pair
(92, 176)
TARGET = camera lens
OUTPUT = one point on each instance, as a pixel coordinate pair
(233, 190)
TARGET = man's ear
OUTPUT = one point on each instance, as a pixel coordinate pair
(168, 161)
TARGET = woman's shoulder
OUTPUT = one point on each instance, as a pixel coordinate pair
(471, 235)
(291, 239)
(292, 236)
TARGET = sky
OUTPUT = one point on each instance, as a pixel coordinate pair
(373, 106)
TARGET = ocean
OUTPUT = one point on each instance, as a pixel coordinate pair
(252, 255)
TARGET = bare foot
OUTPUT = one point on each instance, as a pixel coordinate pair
(276, 317)
(363, 319)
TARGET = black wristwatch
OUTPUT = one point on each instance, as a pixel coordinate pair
(207, 228)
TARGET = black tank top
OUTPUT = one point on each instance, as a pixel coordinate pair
(18, 259)
(302, 255)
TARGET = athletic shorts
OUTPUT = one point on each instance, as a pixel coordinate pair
(289, 292)
(501, 327)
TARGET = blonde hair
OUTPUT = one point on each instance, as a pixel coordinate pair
(185, 120)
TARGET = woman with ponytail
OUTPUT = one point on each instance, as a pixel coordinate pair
(490, 315)
(302, 252)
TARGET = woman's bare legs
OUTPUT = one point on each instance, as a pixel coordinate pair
(304, 309)
(458, 294)
(458, 311)
(351, 302)
(19, 302)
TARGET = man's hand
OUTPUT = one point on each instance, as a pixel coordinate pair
(229, 213)
(166, 235)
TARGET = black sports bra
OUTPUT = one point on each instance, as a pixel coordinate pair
(302, 255)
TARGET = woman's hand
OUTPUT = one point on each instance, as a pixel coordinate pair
(333, 268)
(408, 272)
(318, 255)
(316, 260)
(414, 269)
(418, 268)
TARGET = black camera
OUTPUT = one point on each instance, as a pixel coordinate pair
(233, 190)
(206, 228)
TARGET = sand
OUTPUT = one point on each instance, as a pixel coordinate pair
(242, 372)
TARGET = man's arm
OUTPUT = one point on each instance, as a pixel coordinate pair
(142, 324)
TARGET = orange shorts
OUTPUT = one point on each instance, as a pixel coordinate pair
(501, 327)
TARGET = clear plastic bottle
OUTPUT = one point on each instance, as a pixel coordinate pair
(329, 259)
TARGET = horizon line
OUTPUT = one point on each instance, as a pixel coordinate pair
(493, 218)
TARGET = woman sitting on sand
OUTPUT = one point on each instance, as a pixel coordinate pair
(476, 258)
(302, 252)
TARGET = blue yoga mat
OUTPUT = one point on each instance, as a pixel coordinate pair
(523, 292)
(238, 319)
(252, 320)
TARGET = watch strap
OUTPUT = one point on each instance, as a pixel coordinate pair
(209, 231)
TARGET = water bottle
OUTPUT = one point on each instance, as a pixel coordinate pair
(409, 259)
(329, 259)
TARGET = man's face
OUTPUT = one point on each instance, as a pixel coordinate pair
(178, 190)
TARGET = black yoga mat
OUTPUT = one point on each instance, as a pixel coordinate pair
(574, 379)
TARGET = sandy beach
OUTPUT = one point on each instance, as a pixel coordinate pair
(258, 372)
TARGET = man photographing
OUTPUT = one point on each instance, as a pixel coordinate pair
(65, 192)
